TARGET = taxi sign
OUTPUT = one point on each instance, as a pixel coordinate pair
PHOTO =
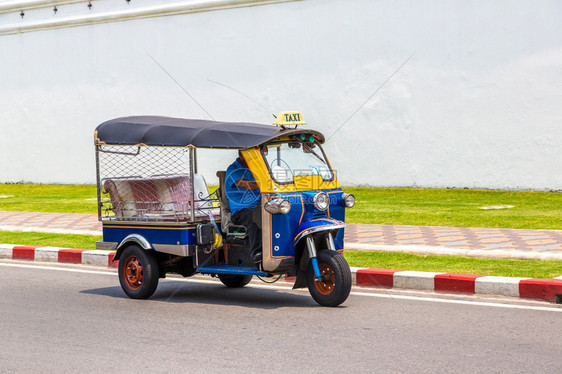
(289, 119)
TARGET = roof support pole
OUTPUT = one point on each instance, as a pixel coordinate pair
(191, 180)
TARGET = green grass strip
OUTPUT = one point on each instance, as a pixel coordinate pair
(390, 206)
(49, 240)
(456, 207)
(48, 198)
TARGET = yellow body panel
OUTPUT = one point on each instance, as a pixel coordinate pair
(266, 184)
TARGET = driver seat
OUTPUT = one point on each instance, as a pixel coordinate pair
(231, 230)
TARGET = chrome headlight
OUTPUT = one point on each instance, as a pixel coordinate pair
(348, 200)
(276, 206)
(321, 201)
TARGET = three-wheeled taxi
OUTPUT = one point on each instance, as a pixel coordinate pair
(157, 212)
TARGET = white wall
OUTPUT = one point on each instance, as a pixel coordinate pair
(477, 105)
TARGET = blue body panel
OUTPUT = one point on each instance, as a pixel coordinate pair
(154, 233)
(286, 227)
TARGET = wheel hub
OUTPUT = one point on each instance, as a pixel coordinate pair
(133, 272)
(326, 285)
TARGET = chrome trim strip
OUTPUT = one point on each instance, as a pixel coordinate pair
(317, 229)
(106, 245)
(311, 247)
(173, 249)
(330, 242)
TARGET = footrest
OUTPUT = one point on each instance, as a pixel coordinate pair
(229, 269)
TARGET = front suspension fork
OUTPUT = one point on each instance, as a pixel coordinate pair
(312, 254)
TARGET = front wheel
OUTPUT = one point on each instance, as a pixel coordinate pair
(235, 281)
(335, 285)
(138, 273)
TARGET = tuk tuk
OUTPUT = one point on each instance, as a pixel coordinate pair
(158, 214)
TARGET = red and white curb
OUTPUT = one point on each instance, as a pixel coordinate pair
(525, 288)
(56, 254)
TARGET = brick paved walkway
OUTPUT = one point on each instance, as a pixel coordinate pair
(480, 242)
(50, 222)
(456, 237)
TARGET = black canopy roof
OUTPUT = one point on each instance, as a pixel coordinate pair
(166, 131)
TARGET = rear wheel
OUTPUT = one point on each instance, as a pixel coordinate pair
(235, 281)
(335, 285)
(138, 272)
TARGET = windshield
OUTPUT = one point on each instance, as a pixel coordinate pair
(295, 158)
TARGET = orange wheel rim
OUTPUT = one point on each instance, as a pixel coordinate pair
(133, 272)
(328, 282)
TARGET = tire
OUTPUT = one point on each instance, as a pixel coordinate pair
(336, 284)
(138, 272)
(235, 281)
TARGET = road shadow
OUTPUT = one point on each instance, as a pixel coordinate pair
(216, 294)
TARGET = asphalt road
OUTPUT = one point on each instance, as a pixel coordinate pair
(56, 318)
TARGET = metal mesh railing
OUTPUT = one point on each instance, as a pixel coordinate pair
(144, 183)
(142, 162)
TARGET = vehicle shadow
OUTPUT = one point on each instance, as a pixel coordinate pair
(217, 294)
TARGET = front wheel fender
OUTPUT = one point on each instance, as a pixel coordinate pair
(315, 226)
